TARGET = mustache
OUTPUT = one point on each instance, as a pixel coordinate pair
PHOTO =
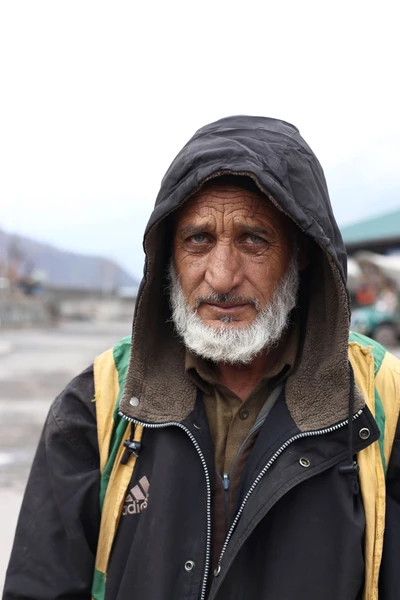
(226, 298)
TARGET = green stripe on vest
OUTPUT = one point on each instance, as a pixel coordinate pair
(98, 586)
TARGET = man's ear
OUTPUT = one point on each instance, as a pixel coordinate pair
(303, 251)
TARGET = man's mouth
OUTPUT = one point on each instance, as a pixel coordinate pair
(226, 307)
(226, 304)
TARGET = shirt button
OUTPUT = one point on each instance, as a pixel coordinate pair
(243, 414)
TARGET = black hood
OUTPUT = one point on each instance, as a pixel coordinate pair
(276, 157)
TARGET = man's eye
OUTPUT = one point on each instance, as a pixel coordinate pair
(254, 239)
(199, 238)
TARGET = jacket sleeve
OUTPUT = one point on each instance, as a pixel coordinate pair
(55, 543)
(389, 579)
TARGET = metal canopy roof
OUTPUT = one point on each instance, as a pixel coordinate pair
(383, 227)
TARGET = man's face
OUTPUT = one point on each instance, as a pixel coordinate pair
(234, 242)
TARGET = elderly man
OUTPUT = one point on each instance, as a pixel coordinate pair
(243, 446)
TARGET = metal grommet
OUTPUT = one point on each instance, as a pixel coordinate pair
(364, 433)
(217, 571)
(189, 565)
(304, 462)
(196, 426)
(134, 401)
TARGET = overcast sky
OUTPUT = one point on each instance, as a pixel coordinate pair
(98, 97)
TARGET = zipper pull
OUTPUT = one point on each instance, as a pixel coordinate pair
(226, 481)
(131, 448)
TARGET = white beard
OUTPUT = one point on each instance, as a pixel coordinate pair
(227, 343)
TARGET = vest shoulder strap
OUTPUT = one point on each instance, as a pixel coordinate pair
(109, 375)
(377, 375)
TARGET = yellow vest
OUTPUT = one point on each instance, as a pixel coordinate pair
(377, 375)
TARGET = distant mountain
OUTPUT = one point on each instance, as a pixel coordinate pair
(61, 268)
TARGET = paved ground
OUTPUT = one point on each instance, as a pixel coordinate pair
(35, 365)
(34, 369)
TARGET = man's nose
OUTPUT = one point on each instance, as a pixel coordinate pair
(224, 270)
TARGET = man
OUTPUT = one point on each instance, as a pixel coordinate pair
(254, 467)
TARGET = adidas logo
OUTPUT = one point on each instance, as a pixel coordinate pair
(137, 498)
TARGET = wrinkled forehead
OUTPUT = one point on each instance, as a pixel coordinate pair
(224, 198)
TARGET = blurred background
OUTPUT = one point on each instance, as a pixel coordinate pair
(96, 100)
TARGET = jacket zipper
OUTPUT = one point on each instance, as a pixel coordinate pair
(208, 484)
(225, 483)
(265, 469)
